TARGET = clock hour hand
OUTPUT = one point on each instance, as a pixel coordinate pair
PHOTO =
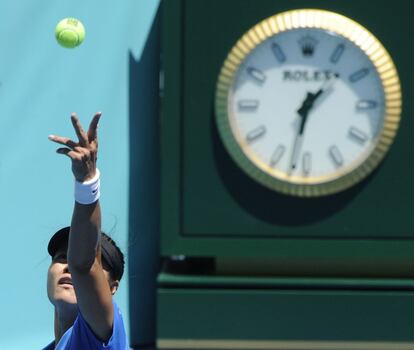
(310, 99)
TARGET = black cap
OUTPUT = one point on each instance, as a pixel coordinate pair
(112, 257)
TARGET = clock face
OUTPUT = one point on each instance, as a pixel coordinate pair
(308, 111)
(343, 123)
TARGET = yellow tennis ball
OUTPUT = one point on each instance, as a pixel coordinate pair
(70, 32)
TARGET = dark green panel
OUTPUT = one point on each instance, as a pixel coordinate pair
(223, 200)
(170, 132)
(211, 208)
(205, 197)
(228, 312)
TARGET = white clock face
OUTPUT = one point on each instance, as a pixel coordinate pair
(307, 106)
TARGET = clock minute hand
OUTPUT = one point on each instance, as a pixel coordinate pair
(303, 111)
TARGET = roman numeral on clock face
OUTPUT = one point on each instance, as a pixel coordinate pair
(366, 104)
(307, 163)
(277, 154)
(357, 135)
(336, 155)
(337, 54)
(248, 105)
(278, 52)
(256, 74)
(256, 133)
(358, 75)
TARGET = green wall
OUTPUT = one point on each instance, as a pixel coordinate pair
(279, 269)
(211, 208)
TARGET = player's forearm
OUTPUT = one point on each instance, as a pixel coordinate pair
(86, 220)
(84, 238)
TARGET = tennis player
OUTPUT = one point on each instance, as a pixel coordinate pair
(87, 265)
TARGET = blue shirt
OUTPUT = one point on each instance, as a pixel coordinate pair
(80, 336)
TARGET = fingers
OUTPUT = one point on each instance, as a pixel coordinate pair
(67, 151)
(92, 132)
(63, 141)
(83, 152)
(83, 140)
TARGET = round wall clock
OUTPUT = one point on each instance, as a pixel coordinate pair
(308, 102)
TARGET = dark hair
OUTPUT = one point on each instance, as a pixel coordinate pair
(112, 258)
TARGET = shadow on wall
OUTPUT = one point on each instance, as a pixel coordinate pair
(144, 175)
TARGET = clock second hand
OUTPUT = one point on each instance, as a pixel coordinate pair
(303, 112)
(295, 152)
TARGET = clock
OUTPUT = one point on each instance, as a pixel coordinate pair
(308, 102)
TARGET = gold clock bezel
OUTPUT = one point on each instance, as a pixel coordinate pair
(317, 19)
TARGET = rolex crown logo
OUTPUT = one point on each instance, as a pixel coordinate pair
(308, 44)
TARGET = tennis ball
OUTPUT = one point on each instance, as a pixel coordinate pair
(70, 32)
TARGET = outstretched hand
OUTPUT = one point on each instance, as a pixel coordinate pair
(84, 152)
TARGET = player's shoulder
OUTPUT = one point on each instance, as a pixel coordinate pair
(81, 336)
(118, 339)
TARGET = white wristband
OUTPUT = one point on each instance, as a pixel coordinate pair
(88, 192)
